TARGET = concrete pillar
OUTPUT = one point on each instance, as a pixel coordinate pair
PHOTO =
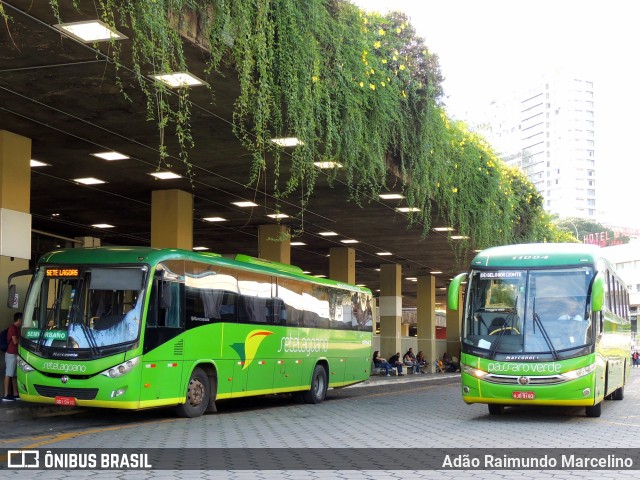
(454, 328)
(15, 219)
(342, 264)
(274, 243)
(390, 309)
(172, 219)
(426, 314)
(87, 242)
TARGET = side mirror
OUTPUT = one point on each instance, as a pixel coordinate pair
(453, 293)
(597, 293)
(12, 297)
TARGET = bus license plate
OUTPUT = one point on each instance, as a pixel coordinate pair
(65, 401)
(523, 395)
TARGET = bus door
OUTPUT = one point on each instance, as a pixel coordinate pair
(163, 345)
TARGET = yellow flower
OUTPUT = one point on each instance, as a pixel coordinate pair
(381, 32)
(361, 84)
(404, 94)
(398, 30)
(377, 44)
(384, 60)
(372, 86)
(315, 78)
(402, 67)
(382, 84)
(454, 190)
(395, 57)
(372, 71)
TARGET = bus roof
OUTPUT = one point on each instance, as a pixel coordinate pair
(152, 256)
(537, 255)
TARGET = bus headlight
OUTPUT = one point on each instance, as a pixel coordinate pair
(473, 371)
(24, 366)
(122, 369)
(580, 372)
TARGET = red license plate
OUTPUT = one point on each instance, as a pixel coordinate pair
(523, 395)
(65, 401)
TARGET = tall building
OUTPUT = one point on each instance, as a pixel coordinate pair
(548, 131)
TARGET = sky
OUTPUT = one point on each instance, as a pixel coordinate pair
(490, 46)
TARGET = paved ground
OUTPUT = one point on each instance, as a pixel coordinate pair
(386, 423)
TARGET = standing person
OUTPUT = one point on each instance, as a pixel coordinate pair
(394, 361)
(635, 358)
(10, 359)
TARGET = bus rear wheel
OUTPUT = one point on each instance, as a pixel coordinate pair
(318, 389)
(198, 390)
(618, 394)
(495, 409)
(595, 411)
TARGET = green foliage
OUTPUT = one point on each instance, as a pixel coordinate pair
(358, 88)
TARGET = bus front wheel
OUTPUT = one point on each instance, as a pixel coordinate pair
(594, 411)
(198, 390)
(495, 409)
(318, 389)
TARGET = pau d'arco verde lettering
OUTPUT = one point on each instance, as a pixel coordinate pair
(65, 367)
(293, 344)
(521, 368)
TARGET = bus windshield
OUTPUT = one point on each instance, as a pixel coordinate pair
(528, 311)
(90, 308)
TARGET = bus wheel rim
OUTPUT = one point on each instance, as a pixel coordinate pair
(196, 392)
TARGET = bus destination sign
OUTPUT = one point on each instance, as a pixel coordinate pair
(62, 272)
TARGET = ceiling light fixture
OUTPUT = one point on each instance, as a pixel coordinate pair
(287, 141)
(435, 272)
(407, 209)
(297, 244)
(165, 175)
(245, 204)
(179, 79)
(459, 237)
(89, 181)
(37, 163)
(102, 225)
(320, 276)
(412, 279)
(327, 234)
(278, 215)
(214, 219)
(349, 240)
(383, 254)
(391, 196)
(110, 156)
(90, 31)
(198, 249)
(443, 229)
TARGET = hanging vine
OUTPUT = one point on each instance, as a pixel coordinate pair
(358, 88)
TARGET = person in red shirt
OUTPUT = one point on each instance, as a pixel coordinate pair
(10, 359)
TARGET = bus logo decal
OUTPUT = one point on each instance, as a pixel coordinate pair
(247, 350)
(523, 380)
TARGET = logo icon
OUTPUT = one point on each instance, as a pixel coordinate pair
(64, 378)
(247, 350)
(523, 380)
(23, 459)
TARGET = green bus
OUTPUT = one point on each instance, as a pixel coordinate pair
(134, 328)
(544, 324)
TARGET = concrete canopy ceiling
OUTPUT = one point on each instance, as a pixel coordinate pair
(63, 95)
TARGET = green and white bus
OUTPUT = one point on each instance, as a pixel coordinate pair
(134, 328)
(544, 324)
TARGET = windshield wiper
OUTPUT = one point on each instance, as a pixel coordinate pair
(545, 335)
